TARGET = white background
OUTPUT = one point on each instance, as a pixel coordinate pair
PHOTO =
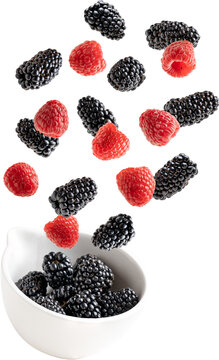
(176, 240)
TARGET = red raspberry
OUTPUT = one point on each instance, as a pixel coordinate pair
(52, 119)
(136, 185)
(158, 126)
(21, 179)
(109, 143)
(87, 58)
(179, 59)
(63, 232)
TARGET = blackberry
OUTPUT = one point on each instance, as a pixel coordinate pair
(162, 34)
(90, 273)
(194, 108)
(58, 269)
(49, 304)
(68, 199)
(39, 70)
(117, 302)
(174, 176)
(83, 305)
(33, 139)
(127, 74)
(33, 284)
(63, 294)
(117, 232)
(105, 18)
(94, 114)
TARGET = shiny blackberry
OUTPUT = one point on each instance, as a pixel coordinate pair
(127, 74)
(68, 199)
(162, 34)
(94, 114)
(174, 176)
(117, 232)
(104, 18)
(83, 305)
(32, 284)
(42, 145)
(58, 269)
(194, 108)
(39, 70)
(49, 304)
(63, 294)
(117, 302)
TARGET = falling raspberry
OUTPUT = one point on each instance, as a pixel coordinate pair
(63, 232)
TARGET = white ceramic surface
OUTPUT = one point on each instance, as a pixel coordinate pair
(60, 335)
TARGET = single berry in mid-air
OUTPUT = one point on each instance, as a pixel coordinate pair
(136, 185)
(63, 232)
(21, 179)
(63, 294)
(104, 18)
(117, 232)
(83, 305)
(174, 176)
(194, 108)
(87, 58)
(94, 114)
(117, 302)
(158, 126)
(58, 269)
(49, 304)
(179, 59)
(127, 74)
(52, 119)
(33, 284)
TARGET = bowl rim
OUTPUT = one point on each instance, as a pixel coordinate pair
(25, 298)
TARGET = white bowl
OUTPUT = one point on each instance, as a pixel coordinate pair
(55, 334)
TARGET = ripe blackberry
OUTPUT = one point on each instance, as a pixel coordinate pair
(68, 199)
(162, 34)
(33, 139)
(39, 70)
(174, 176)
(127, 74)
(90, 273)
(49, 304)
(117, 302)
(32, 284)
(83, 305)
(94, 114)
(117, 232)
(193, 108)
(63, 294)
(58, 269)
(105, 18)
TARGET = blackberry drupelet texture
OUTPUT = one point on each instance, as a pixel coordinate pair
(33, 284)
(127, 74)
(174, 176)
(105, 18)
(39, 70)
(117, 232)
(58, 269)
(94, 114)
(117, 302)
(83, 305)
(194, 108)
(49, 304)
(42, 145)
(162, 34)
(68, 199)
(63, 294)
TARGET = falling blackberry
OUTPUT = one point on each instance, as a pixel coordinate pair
(49, 304)
(127, 74)
(83, 305)
(117, 232)
(68, 199)
(39, 70)
(174, 176)
(33, 139)
(194, 108)
(105, 18)
(117, 302)
(162, 34)
(63, 294)
(94, 114)
(33, 284)
(58, 269)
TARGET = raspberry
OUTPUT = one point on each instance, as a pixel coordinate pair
(63, 232)
(179, 59)
(158, 126)
(109, 143)
(52, 119)
(136, 185)
(21, 179)
(87, 58)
